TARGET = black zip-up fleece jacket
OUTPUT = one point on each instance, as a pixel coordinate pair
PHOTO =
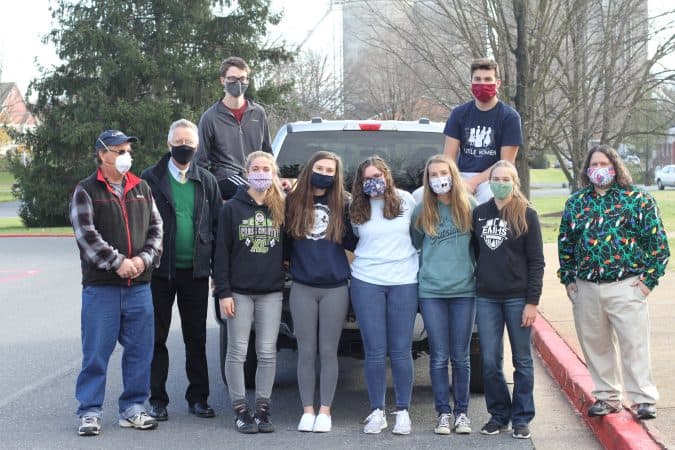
(225, 143)
(249, 249)
(207, 208)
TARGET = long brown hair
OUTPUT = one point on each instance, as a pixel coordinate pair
(622, 176)
(300, 202)
(359, 211)
(514, 212)
(274, 197)
(459, 200)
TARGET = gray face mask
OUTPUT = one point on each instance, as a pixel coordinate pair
(235, 88)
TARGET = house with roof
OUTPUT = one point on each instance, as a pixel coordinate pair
(14, 113)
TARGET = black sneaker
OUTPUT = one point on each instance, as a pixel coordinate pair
(601, 408)
(493, 427)
(158, 412)
(243, 421)
(521, 432)
(645, 411)
(262, 416)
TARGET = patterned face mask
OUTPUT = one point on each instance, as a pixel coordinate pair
(601, 176)
(374, 187)
(440, 185)
(260, 181)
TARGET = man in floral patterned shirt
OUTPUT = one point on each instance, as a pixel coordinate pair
(613, 250)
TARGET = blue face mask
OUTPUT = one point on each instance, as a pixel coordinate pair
(374, 187)
(321, 181)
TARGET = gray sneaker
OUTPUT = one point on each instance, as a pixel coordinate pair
(462, 424)
(443, 424)
(89, 426)
(141, 421)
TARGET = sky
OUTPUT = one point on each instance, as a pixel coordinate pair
(26, 21)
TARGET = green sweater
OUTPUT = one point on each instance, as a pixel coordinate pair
(446, 260)
(613, 236)
(184, 203)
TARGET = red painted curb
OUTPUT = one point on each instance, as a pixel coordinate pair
(620, 431)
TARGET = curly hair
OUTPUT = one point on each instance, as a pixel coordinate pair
(622, 178)
(359, 211)
(300, 202)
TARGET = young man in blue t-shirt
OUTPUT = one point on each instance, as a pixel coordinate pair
(481, 132)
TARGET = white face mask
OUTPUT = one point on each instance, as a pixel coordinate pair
(123, 163)
(440, 185)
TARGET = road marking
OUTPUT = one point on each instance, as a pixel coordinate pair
(16, 275)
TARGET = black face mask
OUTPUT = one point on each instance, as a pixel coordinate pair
(235, 88)
(321, 181)
(183, 154)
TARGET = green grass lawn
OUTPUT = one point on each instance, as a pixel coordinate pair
(547, 177)
(13, 225)
(6, 181)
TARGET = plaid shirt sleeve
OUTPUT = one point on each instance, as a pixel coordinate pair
(152, 249)
(92, 245)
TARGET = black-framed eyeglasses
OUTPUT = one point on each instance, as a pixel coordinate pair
(120, 152)
(243, 79)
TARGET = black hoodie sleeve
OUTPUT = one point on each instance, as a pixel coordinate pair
(475, 245)
(221, 257)
(534, 249)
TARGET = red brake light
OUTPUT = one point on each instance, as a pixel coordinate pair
(370, 126)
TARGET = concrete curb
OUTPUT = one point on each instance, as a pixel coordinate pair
(615, 431)
(26, 235)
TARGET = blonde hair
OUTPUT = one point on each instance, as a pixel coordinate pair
(274, 196)
(514, 212)
(429, 218)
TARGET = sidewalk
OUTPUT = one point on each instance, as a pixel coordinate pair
(567, 367)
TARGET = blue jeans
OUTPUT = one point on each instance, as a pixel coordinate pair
(386, 316)
(111, 314)
(449, 324)
(491, 316)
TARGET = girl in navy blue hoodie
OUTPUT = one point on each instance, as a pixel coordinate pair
(318, 230)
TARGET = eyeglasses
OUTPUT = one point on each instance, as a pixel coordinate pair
(187, 142)
(118, 152)
(243, 79)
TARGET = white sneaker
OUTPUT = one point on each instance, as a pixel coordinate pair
(443, 425)
(306, 422)
(141, 421)
(462, 424)
(402, 422)
(322, 424)
(375, 422)
(89, 426)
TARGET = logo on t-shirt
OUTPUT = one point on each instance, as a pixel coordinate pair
(321, 219)
(480, 141)
(494, 232)
(259, 233)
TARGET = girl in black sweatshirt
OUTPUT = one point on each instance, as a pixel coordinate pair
(249, 277)
(318, 230)
(509, 276)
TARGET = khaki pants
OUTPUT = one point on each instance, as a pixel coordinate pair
(612, 323)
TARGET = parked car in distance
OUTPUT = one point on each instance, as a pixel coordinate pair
(405, 145)
(665, 176)
(632, 159)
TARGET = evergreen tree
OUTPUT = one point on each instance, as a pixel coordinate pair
(134, 66)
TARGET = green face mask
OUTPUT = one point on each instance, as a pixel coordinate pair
(501, 190)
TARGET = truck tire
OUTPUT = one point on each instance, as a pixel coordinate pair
(476, 383)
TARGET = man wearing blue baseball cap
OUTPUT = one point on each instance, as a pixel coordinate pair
(118, 230)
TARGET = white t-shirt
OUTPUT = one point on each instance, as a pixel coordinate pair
(384, 254)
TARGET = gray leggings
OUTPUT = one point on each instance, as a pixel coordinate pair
(318, 313)
(265, 310)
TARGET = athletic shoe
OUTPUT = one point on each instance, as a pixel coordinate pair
(403, 424)
(462, 424)
(322, 424)
(375, 422)
(243, 420)
(158, 412)
(645, 411)
(306, 422)
(141, 421)
(443, 424)
(493, 428)
(89, 426)
(262, 416)
(521, 432)
(602, 408)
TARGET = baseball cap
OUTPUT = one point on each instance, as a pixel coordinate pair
(113, 137)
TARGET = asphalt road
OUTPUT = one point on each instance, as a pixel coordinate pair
(40, 354)
(9, 209)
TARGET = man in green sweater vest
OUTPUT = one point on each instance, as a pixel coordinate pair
(189, 202)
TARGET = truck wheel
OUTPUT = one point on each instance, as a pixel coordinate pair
(476, 383)
(659, 183)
